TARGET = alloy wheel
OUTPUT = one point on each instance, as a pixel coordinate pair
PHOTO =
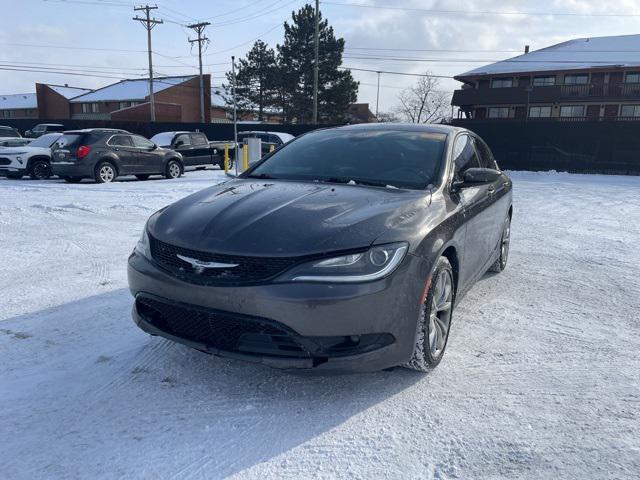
(440, 313)
(41, 171)
(106, 173)
(506, 240)
(174, 170)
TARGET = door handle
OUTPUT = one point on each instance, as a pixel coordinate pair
(491, 190)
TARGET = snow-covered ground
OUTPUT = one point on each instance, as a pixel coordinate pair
(540, 380)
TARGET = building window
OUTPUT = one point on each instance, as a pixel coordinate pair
(7, 113)
(582, 79)
(544, 81)
(540, 112)
(94, 108)
(499, 112)
(502, 82)
(124, 105)
(630, 111)
(632, 77)
(572, 111)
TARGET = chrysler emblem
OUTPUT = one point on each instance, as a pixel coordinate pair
(200, 265)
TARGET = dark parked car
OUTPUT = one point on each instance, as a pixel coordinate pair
(345, 250)
(9, 132)
(43, 128)
(195, 148)
(104, 154)
(268, 140)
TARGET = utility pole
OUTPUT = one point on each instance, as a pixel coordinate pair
(378, 96)
(199, 28)
(149, 23)
(316, 40)
(235, 116)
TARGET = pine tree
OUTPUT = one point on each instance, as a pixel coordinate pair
(336, 88)
(256, 80)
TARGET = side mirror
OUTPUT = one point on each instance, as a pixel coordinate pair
(153, 147)
(480, 175)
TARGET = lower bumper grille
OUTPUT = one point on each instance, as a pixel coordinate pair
(220, 330)
(5, 161)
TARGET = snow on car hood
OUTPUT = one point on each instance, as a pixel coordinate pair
(283, 218)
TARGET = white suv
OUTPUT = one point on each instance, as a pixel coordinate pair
(32, 159)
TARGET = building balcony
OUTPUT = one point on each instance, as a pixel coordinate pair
(546, 94)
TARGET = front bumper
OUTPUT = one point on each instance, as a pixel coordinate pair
(12, 165)
(377, 320)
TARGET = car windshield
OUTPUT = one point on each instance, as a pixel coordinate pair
(395, 158)
(45, 141)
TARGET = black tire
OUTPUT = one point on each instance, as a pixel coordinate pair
(40, 170)
(105, 172)
(142, 177)
(173, 169)
(434, 322)
(72, 179)
(14, 176)
(505, 240)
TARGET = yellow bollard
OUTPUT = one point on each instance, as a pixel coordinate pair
(245, 151)
(226, 158)
(272, 148)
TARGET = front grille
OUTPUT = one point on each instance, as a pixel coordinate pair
(248, 269)
(220, 330)
(5, 161)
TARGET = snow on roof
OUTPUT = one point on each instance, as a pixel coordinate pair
(218, 97)
(617, 51)
(68, 92)
(130, 89)
(18, 100)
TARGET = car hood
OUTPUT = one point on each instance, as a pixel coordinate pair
(26, 150)
(280, 218)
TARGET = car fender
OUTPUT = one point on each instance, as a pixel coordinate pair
(110, 157)
(39, 156)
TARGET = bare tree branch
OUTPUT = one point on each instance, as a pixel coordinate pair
(423, 103)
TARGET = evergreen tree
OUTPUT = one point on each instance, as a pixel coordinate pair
(336, 88)
(256, 80)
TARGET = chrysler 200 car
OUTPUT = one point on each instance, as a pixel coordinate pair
(345, 250)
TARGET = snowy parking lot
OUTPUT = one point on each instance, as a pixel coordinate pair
(541, 378)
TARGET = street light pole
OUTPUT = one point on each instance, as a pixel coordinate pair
(316, 40)
(378, 96)
(235, 114)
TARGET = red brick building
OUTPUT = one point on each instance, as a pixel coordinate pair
(177, 99)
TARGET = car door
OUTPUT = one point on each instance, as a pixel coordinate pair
(122, 146)
(201, 150)
(182, 144)
(147, 159)
(474, 200)
(499, 206)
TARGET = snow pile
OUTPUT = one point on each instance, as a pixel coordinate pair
(540, 379)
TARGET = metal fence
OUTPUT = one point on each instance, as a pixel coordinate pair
(611, 147)
(215, 131)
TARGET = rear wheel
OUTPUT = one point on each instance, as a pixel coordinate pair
(173, 170)
(72, 179)
(40, 170)
(105, 173)
(142, 177)
(505, 240)
(435, 319)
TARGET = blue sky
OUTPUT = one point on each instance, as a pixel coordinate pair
(107, 25)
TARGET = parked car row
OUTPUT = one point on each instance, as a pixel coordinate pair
(103, 154)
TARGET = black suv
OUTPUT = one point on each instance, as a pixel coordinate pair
(104, 154)
(43, 128)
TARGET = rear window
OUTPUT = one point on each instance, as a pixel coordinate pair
(199, 139)
(69, 140)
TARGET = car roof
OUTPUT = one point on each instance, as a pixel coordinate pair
(106, 130)
(51, 124)
(177, 132)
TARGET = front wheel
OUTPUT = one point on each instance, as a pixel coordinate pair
(105, 173)
(173, 170)
(435, 319)
(40, 170)
(505, 240)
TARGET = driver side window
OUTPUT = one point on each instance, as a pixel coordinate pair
(464, 156)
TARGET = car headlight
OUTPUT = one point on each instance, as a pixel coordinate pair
(375, 263)
(143, 247)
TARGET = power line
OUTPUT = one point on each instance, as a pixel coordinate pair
(71, 47)
(396, 73)
(482, 12)
(56, 72)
